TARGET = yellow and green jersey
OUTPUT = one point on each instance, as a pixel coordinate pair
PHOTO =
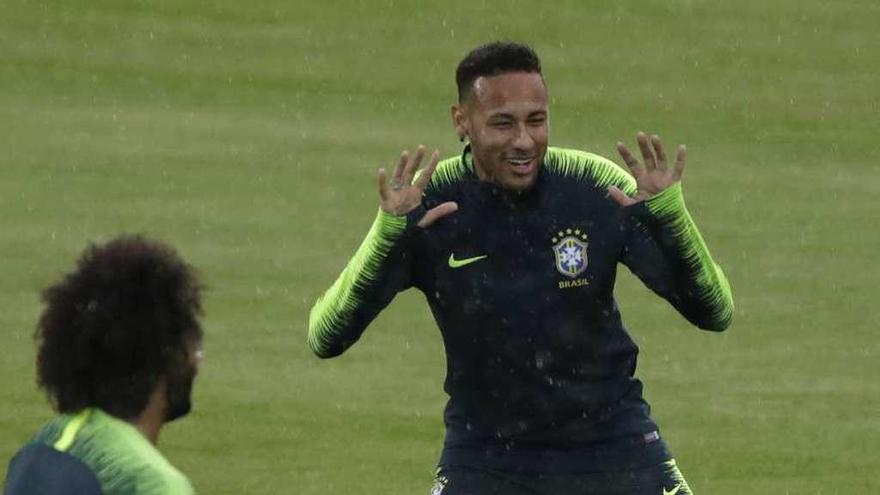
(539, 364)
(92, 453)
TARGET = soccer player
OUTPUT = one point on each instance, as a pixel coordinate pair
(515, 245)
(119, 346)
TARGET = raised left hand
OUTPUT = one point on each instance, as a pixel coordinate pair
(654, 175)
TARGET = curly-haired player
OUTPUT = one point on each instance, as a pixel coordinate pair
(119, 346)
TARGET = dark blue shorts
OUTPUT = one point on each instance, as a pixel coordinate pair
(657, 479)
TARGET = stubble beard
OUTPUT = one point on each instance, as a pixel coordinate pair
(179, 394)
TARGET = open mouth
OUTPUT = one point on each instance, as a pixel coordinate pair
(522, 165)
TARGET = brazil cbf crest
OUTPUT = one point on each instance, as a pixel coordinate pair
(570, 248)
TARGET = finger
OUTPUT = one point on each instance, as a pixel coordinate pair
(647, 153)
(659, 151)
(628, 158)
(641, 196)
(401, 165)
(425, 176)
(619, 196)
(413, 165)
(680, 158)
(383, 184)
(437, 213)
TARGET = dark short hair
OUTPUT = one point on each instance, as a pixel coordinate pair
(118, 323)
(492, 59)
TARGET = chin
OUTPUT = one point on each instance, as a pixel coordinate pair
(177, 411)
(179, 396)
(518, 184)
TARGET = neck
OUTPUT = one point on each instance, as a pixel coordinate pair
(152, 418)
(512, 197)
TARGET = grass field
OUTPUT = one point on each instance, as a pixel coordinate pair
(248, 135)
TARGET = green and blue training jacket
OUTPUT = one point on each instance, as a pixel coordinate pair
(540, 369)
(92, 453)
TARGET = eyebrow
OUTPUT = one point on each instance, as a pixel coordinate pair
(507, 115)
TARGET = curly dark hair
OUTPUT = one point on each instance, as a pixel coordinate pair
(492, 59)
(112, 328)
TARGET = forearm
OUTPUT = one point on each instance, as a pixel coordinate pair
(376, 272)
(701, 290)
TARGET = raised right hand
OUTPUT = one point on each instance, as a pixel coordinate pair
(402, 194)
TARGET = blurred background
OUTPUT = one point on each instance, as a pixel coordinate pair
(248, 135)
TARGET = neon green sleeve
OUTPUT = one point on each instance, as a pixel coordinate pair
(374, 275)
(687, 275)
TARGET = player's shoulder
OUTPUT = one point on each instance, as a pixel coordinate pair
(92, 452)
(39, 468)
(450, 171)
(51, 430)
(587, 167)
(124, 460)
(161, 481)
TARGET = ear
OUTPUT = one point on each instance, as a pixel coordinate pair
(460, 121)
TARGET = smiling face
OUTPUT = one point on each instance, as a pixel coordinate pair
(505, 119)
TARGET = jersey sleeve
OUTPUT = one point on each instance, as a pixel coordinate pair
(375, 274)
(666, 251)
(38, 468)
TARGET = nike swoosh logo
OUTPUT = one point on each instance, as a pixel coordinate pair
(454, 263)
(674, 490)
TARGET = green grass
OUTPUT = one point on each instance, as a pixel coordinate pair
(248, 135)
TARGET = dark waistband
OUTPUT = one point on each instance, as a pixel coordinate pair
(622, 453)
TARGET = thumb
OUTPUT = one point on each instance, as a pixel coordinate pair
(437, 213)
(619, 196)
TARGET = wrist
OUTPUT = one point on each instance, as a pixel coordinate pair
(667, 202)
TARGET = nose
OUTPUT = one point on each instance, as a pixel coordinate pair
(523, 140)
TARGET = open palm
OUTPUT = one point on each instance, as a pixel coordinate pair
(403, 193)
(654, 175)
